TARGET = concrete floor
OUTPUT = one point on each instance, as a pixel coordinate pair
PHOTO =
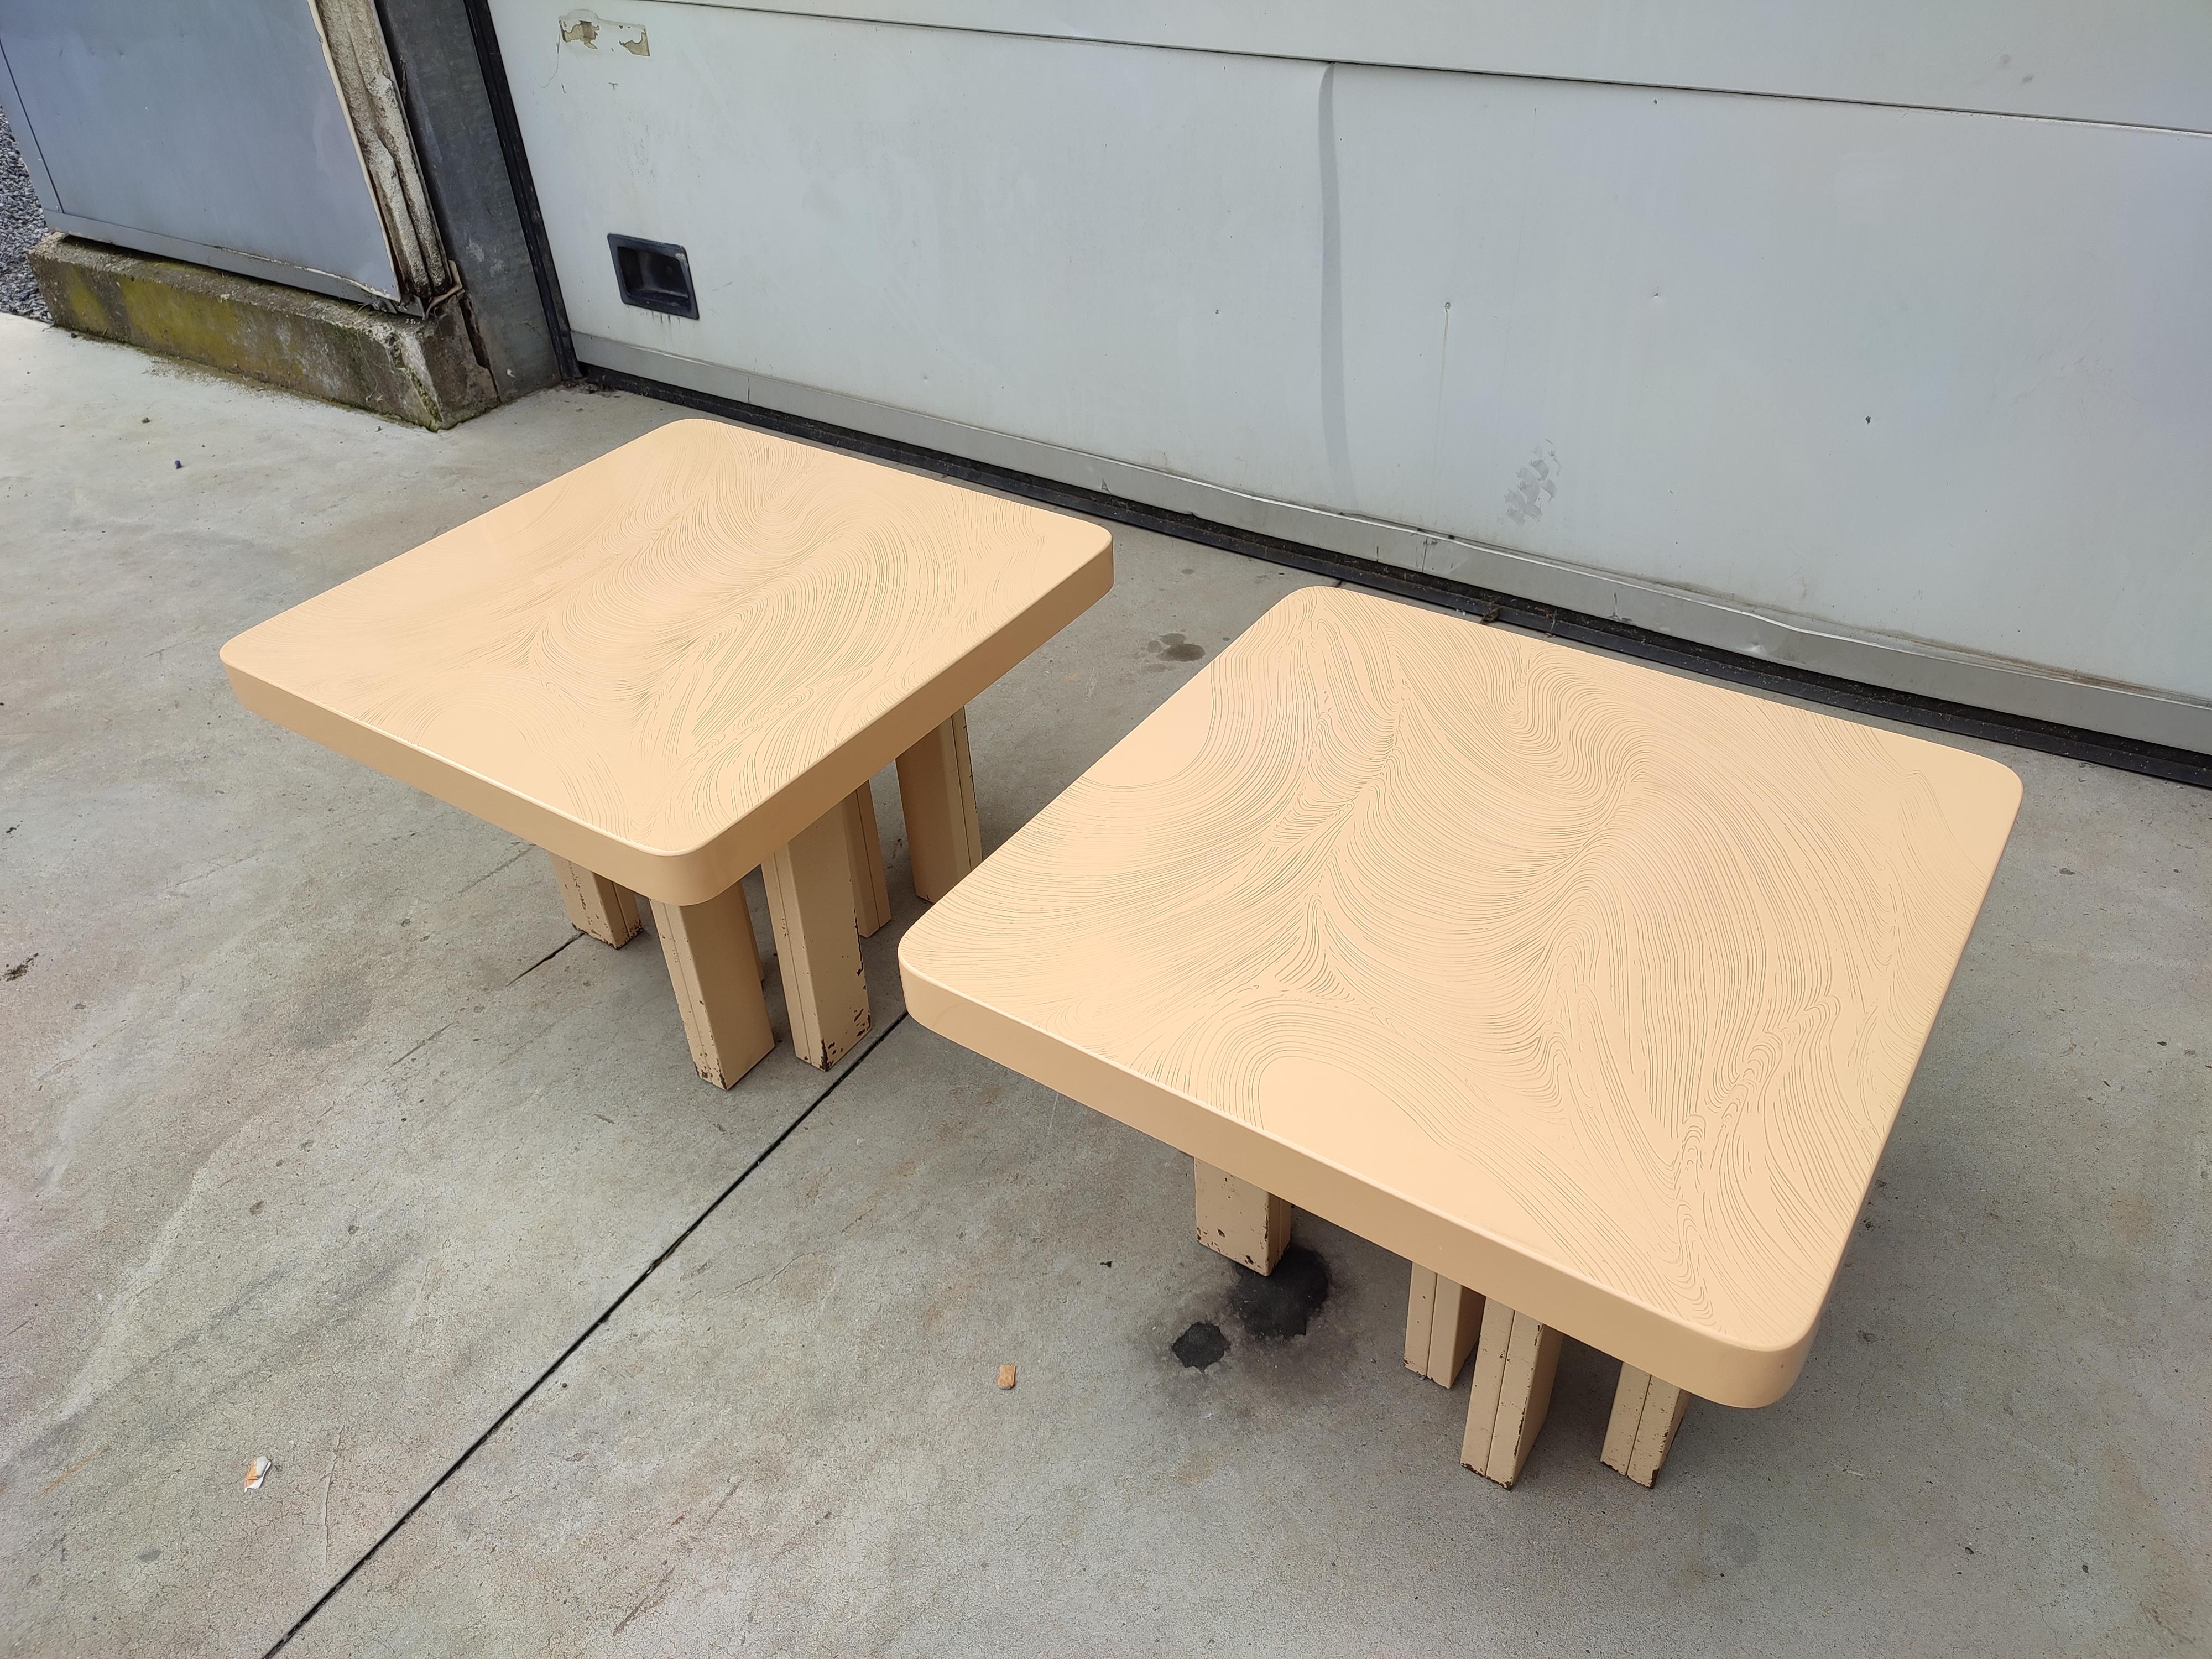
(325, 1139)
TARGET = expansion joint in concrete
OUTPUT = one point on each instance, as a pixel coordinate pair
(859, 1058)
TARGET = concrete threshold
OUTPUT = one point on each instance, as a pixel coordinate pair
(422, 370)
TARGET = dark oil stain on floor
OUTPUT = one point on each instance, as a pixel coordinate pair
(1174, 648)
(1283, 1304)
(1200, 1345)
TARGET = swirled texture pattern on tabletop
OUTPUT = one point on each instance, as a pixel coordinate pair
(656, 644)
(1625, 972)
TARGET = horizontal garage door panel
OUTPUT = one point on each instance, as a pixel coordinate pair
(1084, 245)
(1909, 377)
(1927, 374)
(2146, 62)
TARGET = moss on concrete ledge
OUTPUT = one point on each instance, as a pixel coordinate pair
(422, 370)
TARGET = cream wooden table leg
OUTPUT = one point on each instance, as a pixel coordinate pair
(715, 967)
(810, 899)
(938, 785)
(1514, 1363)
(1646, 1413)
(1441, 1321)
(872, 895)
(603, 908)
(1243, 1222)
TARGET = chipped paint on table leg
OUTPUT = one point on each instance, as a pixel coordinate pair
(1646, 1415)
(1244, 1223)
(810, 900)
(937, 783)
(1442, 1321)
(872, 894)
(715, 968)
(604, 910)
(1514, 1361)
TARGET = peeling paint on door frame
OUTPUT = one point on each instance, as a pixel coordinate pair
(354, 47)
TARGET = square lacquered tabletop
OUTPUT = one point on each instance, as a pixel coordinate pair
(665, 664)
(1593, 988)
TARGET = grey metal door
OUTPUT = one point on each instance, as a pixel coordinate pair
(212, 131)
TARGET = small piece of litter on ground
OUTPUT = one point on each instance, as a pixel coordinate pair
(179, 465)
(1005, 1376)
(257, 1472)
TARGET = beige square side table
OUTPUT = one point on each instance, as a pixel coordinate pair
(685, 661)
(1593, 991)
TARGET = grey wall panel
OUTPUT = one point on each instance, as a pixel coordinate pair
(2146, 61)
(211, 122)
(1934, 376)
(1909, 384)
(1959, 677)
(1106, 246)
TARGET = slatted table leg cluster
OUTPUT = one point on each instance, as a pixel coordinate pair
(826, 891)
(1515, 1358)
(604, 910)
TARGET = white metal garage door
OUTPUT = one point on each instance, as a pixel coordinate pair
(1866, 340)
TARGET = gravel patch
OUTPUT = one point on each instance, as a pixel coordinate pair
(21, 224)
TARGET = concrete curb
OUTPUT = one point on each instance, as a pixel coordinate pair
(421, 370)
